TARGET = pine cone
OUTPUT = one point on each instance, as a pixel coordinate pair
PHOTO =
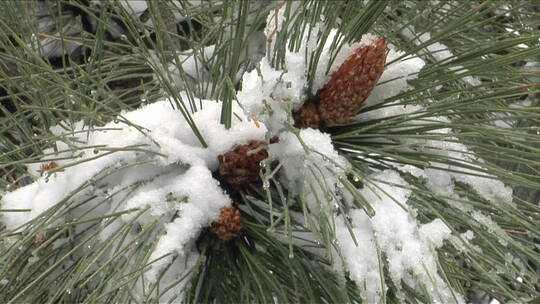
(351, 84)
(308, 116)
(229, 224)
(239, 168)
(48, 166)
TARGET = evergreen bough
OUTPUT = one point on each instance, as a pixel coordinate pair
(109, 61)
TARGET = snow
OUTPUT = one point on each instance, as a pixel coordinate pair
(439, 52)
(205, 199)
(392, 82)
(176, 186)
(176, 177)
(167, 133)
(407, 245)
(441, 181)
(310, 147)
(435, 232)
(361, 261)
(271, 95)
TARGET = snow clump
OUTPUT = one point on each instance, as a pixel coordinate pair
(146, 160)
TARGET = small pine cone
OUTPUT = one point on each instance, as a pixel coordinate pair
(49, 166)
(351, 84)
(307, 116)
(229, 224)
(238, 168)
(274, 139)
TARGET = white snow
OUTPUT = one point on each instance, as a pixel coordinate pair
(408, 245)
(441, 181)
(361, 261)
(310, 147)
(175, 182)
(205, 199)
(271, 95)
(177, 175)
(439, 52)
(392, 82)
(167, 133)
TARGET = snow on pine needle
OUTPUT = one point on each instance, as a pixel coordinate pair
(313, 168)
(148, 167)
(172, 175)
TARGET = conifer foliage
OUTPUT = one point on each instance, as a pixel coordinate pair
(269, 151)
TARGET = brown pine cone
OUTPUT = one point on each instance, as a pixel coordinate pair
(352, 83)
(229, 224)
(307, 116)
(239, 168)
(49, 166)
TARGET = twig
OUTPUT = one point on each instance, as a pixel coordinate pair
(517, 232)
